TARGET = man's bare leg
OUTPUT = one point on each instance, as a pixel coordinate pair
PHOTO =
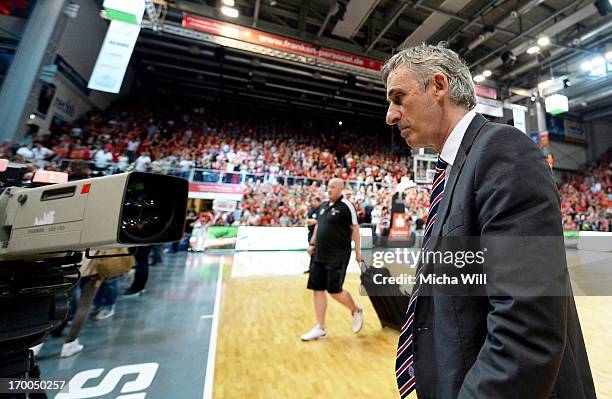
(320, 305)
(346, 299)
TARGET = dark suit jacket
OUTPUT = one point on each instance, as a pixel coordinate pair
(508, 343)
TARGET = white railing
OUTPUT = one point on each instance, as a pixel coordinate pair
(200, 175)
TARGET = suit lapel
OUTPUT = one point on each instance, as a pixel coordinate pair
(468, 138)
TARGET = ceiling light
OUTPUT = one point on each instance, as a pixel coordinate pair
(543, 85)
(543, 41)
(598, 66)
(487, 73)
(339, 123)
(598, 61)
(586, 66)
(229, 3)
(479, 78)
(533, 50)
(230, 12)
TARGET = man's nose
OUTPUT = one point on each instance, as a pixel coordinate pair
(393, 114)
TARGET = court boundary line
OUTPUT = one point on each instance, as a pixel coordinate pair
(209, 379)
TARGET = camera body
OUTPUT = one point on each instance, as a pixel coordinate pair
(120, 210)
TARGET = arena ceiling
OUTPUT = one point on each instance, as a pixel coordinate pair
(490, 34)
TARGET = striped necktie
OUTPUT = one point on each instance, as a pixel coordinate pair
(404, 370)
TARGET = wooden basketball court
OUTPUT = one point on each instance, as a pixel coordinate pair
(260, 355)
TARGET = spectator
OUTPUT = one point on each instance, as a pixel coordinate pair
(132, 149)
(25, 152)
(143, 162)
(105, 299)
(102, 158)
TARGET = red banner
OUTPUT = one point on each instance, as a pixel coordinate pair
(215, 188)
(487, 92)
(267, 40)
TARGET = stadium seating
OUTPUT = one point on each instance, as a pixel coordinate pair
(282, 163)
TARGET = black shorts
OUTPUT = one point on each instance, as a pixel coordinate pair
(327, 276)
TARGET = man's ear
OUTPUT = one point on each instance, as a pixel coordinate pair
(440, 84)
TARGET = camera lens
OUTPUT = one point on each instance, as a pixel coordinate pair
(148, 212)
(154, 209)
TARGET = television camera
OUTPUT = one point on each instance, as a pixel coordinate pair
(44, 231)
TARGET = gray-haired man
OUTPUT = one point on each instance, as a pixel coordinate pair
(491, 181)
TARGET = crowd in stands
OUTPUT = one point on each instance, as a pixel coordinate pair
(163, 139)
(296, 155)
(586, 197)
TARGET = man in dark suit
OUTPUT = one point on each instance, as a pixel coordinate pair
(520, 337)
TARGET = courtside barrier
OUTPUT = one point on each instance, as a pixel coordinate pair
(595, 241)
(261, 238)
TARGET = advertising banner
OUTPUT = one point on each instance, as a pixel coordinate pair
(487, 92)
(231, 192)
(266, 238)
(255, 238)
(222, 205)
(277, 42)
(221, 237)
(489, 107)
(519, 120)
(400, 230)
(114, 57)
(128, 11)
(574, 131)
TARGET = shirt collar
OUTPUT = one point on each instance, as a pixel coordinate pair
(329, 203)
(453, 141)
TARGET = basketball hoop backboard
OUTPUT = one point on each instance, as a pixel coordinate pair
(424, 168)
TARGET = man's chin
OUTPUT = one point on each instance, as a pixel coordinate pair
(412, 144)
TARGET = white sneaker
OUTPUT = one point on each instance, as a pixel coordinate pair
(36, 349)
(71, 348)
(105, 313)
(357, 320)
(316, 333)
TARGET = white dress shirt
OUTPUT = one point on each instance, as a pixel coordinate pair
(453, 141)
